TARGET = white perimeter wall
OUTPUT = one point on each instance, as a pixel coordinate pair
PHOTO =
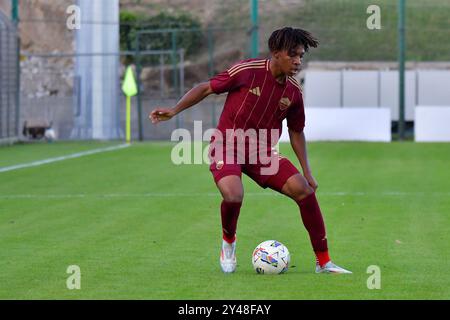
(432, 124)
(350, 89)
(345, 124)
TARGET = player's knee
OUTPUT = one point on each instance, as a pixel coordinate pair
(302, 192)
(309, 191)
(233, 197)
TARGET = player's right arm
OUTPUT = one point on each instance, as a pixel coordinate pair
(194, 96)
(225, 81)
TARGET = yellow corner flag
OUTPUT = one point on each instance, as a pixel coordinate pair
(129, 86)
(130, 89)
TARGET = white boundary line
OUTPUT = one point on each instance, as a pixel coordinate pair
(209, 194)
(62, 158)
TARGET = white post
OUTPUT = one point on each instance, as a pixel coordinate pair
(98, 70)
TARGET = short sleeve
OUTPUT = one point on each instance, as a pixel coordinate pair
(223, 82)
(296, 115)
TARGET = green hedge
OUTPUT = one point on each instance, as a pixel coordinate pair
(131, 23)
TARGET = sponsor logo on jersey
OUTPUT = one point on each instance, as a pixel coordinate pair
(256, 91)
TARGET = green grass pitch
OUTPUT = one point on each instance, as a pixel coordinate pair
(140, 227)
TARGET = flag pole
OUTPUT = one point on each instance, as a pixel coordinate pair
(128, 120)
(130, 89)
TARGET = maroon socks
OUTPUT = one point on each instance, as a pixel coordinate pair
(230, 214)
(313, 221)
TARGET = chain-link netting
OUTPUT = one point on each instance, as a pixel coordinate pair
(8, 79)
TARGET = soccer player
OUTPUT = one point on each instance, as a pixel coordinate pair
(261, 94)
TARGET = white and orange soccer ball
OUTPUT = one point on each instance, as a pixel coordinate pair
(271, 257)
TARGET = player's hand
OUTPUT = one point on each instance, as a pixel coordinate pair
(161, 114)
(311, 180)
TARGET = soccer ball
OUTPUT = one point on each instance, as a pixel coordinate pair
(271, 257)
(50, 135)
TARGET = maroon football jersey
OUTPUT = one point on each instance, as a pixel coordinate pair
(256, 100)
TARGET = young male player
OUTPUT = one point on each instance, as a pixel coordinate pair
(261, 94)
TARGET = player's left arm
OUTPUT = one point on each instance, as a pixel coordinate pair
(298, 143)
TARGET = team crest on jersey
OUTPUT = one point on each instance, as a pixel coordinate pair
(284, 103)
(219, 165)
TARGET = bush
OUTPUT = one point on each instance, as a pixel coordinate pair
(131, 23)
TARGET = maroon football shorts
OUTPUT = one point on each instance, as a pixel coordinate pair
(275, 181)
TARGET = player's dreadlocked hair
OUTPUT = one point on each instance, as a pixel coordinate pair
(289, 38)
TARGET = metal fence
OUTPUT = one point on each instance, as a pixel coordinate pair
(9, 104)
(50, 93)
(164, 80)
(50, 86)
